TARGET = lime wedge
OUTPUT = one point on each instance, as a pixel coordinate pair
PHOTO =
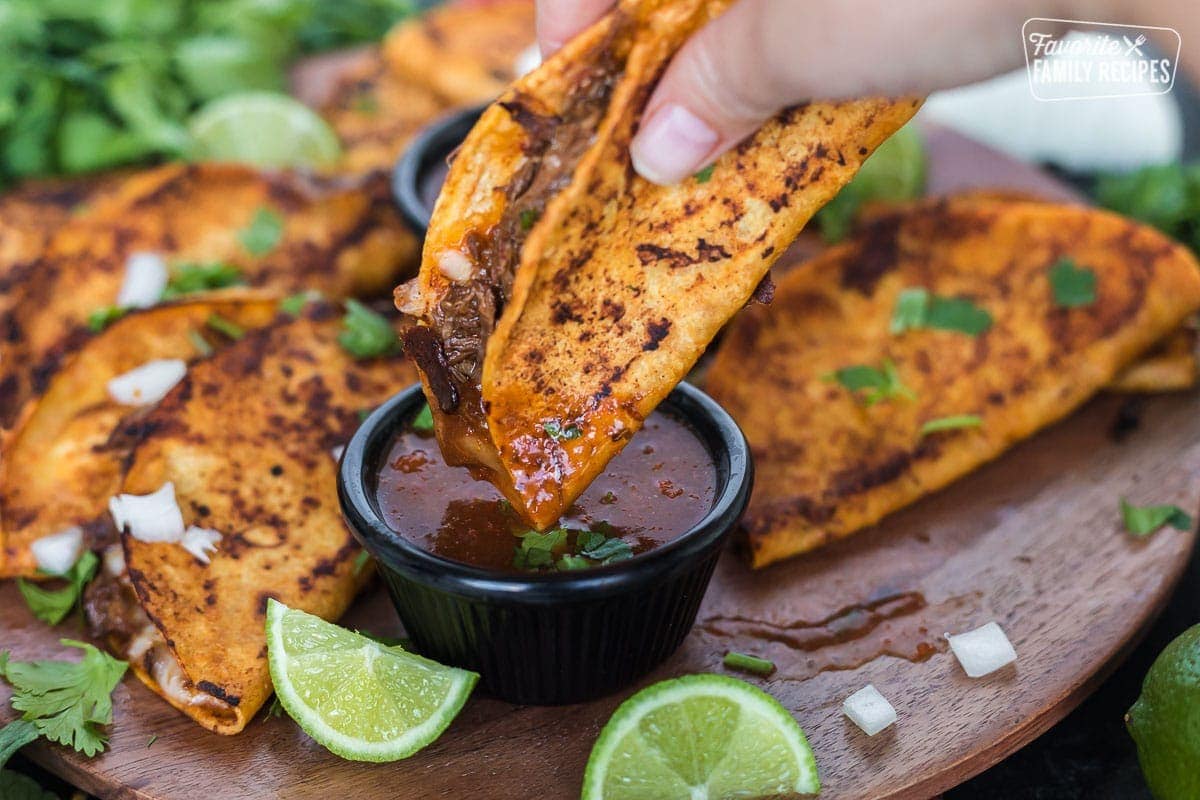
(264, 129)
(700, 737)
(362, 700)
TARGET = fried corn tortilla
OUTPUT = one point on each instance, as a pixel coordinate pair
(247, 438)
(338, 236)
(465, 54)
(567, 295)
(64, 459)
(376, 113)
(826, 463)
(1169, 367)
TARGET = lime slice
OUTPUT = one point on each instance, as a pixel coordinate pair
(699, 737)
(264, 129)
(362, 700)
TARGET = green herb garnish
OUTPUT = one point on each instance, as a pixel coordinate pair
(951, 423)
(52, 606)
(200, 343)
(153, 739)
(360, 562)
(225, 326)
(871, 384)
(606, 550)
(562, 433)
(1145, 520)
(745, 663)
(423, 421)
(608, 499)
(294, 305)
(1166, 196)
(917, 308)
(537, 549)
(529, 217)
(263, 233)
(366, 334)
(705, 175)
(568, 563)
(66, 702)
(190, 278)
(1073, 286)
(101, 318)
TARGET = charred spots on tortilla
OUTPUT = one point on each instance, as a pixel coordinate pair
(780, 202)
(655, 333)
(563, 311)
(611, 310)
(710, 253)
(210, 688)
(276, 470)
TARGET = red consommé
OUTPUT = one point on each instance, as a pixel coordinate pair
(654, 490)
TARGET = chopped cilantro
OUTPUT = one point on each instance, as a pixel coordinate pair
(607, 550)
(568, 563)
(1145, 520)
(537, 549)
(608, 499)
(153, 739)
(276, 709)
(917, 308)
(951, 423)
(225, 327)
(67, 702)
(15, 734)
(529, 217)
(263, 232)
(1073, 286)
(360, 562)
(363, 413)
(873, 384)
(52, 606)
(423, 421)
(705, 175)
(746, 663)
(200, 343)
(294, 305)
(190, 278)
(366, 334)
(101, 318)
(562, 433)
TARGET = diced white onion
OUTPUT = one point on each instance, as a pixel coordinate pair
(147, 384)
(151, 517)
(146, 638)
(869, 710)
(983, 650)
(200, 542)
(454, 265)
(527, 61)
(114, 560)
(145, 280)
(337, 452)
(58, 552)
(408, 298)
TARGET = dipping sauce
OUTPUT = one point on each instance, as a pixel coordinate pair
(654, 490)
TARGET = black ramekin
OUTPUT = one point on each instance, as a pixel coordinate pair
(551, 638)
(431, 147)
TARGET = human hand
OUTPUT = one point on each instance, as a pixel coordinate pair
(763, 55)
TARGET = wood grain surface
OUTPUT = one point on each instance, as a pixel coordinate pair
(1033, 541)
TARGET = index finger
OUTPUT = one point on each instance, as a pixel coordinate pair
(559, 20)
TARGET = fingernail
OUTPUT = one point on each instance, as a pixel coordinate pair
(672, 145)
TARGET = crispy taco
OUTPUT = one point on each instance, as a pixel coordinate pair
(247, 442)
(855, 404)
(64, 458)
(566, 295)
(282, 232)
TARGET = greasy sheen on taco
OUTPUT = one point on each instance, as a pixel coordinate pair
(1021, 343)
(561, 296)
(248, 439)
(64, 459)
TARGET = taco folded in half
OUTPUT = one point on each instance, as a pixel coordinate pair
(928, 344)
(246, 446)
(561, 296)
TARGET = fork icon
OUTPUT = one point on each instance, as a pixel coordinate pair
(1135, 46)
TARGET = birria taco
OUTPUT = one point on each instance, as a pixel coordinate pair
(561, 296)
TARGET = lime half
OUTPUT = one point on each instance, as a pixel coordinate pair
(700, 737)
(264, 129)
(362, 700)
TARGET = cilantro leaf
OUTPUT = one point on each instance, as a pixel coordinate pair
(361, 561)
(294, 305)
(705, 175)
(537, 549)
(608, 551)
(911, 310)
(52, 606)
(67, 702)
(15, 734)
(423, 421)
(873, 385)
(190, 278)
(226, 327)
(569, 563)
(366, 334)
(529, 217)
(917, 308)
(200, 343)
(101, 318)
(1073, 286)
(15, 786)
(1145, 520)
(951, 423)
(263, 232)
(562, 433)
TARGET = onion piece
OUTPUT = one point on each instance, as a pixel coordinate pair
(869, 710)
(58, 552)
(145, 281)
(527, 61)
(114, 560)
(200, 542)
(147, 384)
(454, 265)
(983, 650)
(337, 452)
(151, 517)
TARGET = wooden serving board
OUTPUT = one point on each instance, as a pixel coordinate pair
(1033, 541)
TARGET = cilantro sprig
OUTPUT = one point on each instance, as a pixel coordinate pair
(1073, 286)
(872, 385)
(1145, 520)
(560, 432)
(263, 233)
(102, 317)
(423, 421)
(592, 548)
(919, 308)
(951, 423)
(190, 278)
(66, 702)
(366, 334)
(52, 606)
